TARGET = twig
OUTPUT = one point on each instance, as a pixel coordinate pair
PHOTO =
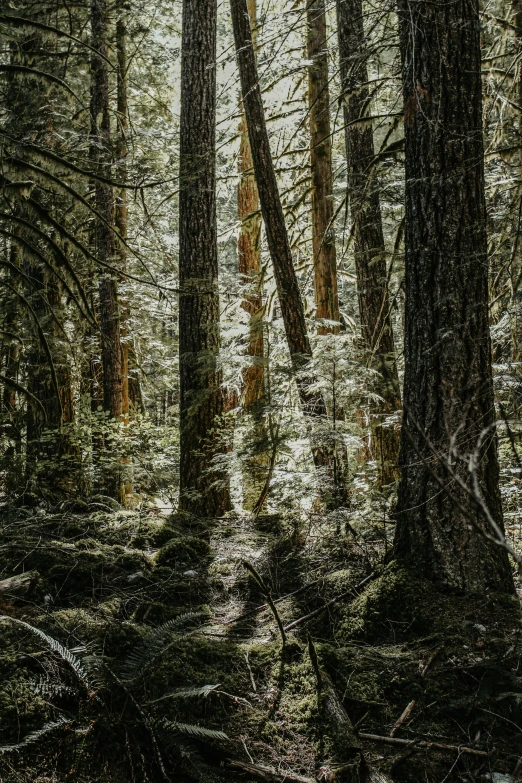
(405, 714)
(250, 673)
(410, 707)
(268, 773)
(422, 744)
(316, 612)
(275, 600)
(260, 581)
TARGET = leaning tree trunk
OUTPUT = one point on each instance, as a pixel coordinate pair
(448, 389)
(272, 210)
(104, 201)
(368, 237)
(323, 236)
(203, 490)
(249, 267)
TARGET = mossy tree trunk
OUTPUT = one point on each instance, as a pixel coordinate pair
(203, 399)
(448, 388)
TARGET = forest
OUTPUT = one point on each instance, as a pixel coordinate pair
(260, 391)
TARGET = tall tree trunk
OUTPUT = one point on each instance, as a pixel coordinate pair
(202, 397)
(287, 286)
(104, 200)
(448, 388)
(516, 267)
(12, 351)
(249, 267)
(120, 213)
(323, 237)
(120, 220)
(369, 248)
(249, 258)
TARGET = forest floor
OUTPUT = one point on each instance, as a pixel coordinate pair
(100, 679)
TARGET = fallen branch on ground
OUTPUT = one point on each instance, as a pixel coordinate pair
(316, 612)
(422, 744)
(268, 773)
(410, 707)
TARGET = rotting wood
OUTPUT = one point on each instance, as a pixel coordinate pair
(20, 584)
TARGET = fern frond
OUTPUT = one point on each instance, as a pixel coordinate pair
(186, 693)
(65, 654)
(50, 690)
(34, 736)
(191, 730)
(154, 644)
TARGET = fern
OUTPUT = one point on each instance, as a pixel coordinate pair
(187, 693)
(34, 736)
(65, 654)
(50, 690)
(154, 644)
(191, 730)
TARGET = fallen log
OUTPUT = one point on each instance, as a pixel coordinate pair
(350, 764)
(19, 584)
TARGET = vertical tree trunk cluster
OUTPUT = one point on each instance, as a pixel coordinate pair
(448, 389)
(368, 236)
(290, 299)
(202, 398)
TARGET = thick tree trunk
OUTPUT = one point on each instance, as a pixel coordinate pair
(287, 286)
(104, 200)
(368, 237)
(323, 236)
(202, 398)
(448, 389)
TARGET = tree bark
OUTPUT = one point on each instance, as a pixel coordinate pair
(120, 214)
(448, 388)
(104, 200)
(368, 237)
(203, 490)
(323, 236)
(287, 286)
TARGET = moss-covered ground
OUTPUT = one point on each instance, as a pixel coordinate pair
(119, 695)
